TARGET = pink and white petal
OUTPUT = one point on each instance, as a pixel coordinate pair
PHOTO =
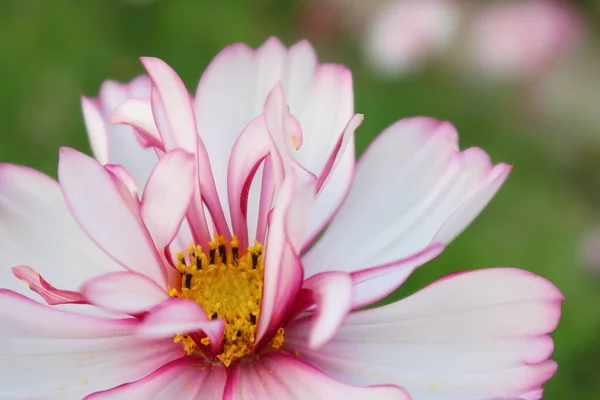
(123, 145)
(171, 106)
(280, 129)
(249, 150)
(263, 201)
(49, 293)
(138, 113)
(183, 238)
(374, 284)
(250, 197)
(283, 377)
(29, 318)
(283, 281)
(335, 180)
(96, 203)
(178, 316)
(54, 354)
(125, 186)
(173, 113)
(96, 128)
(470, 336)
(37, 230)
(332, 296)
(127, 180)
(167, 196)
(181, 379)
(283, 269)
(470, 208)
(323, 113)
(235, 85)
(125, 292)
(410, 181)
(230, 94)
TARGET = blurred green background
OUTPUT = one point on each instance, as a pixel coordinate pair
(54, 50)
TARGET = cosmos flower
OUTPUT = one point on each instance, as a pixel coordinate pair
(523, 39)
(404, 35)
(189, 259)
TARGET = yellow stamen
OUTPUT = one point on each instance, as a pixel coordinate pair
(228, 285)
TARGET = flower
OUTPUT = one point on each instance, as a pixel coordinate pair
(183, 262)
(522, 39)
(404, 35)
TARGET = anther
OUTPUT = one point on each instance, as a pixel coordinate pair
(211, 256)
(188, 281)
(254, 260)
(223, 254)
(234, 254)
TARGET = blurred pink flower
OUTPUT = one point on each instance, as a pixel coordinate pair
(405, 34)
(249, 171)
(519, 39)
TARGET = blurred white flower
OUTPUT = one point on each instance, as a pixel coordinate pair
(405, 34)
(520, 39)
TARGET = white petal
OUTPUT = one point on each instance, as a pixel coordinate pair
(182, 379)
(123, 147)
(167, 196)
(281, 377)
(235, 86)
(37, 230)
(373, 284)
(104, 214)
(334, 180)
(470, 336)
(50, 354)
(409, 183)
(178, 316)
(332, 294)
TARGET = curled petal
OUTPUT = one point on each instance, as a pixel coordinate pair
(171, 106)
(332, 295)
(49, 293)
(335, 180)
(119, 144)
(138, 113)
(283, 131)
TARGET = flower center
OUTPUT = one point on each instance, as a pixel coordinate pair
(227, 284)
